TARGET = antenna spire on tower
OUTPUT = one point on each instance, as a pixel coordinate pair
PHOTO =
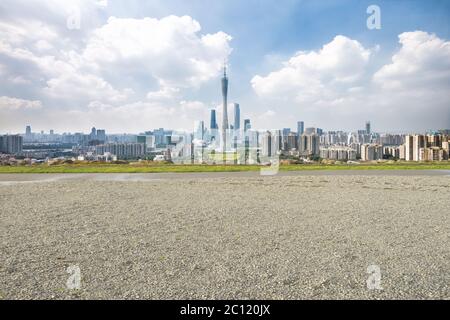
(224, 68)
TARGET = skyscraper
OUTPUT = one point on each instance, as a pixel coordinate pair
(237, 117)
(300, 127)
(367, 127)
(199, 130)
(409, 153)
(28, 135)
(247, 125)
(286, 131)
(101, 135)
(418, 143)
(309, 144)
(213, 124)
(225, 109)
(11, 144)
(93, 135)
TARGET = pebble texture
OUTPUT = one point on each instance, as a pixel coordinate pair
(302, 237)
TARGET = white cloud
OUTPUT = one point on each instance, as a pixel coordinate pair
(141, 114)
(163, 94)
(169, 49)
(335, 88)
(423, 62)
(118, 66)
(17, 103)
(307, 75)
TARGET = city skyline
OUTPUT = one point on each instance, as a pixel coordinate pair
(153, 64)
(226, 128)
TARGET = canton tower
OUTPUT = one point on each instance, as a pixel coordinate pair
(225, 110)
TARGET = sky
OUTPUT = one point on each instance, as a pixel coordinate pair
(132, 66)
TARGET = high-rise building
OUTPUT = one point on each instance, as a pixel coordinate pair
(147, 140)
(312, 144)
(93, 134)
(300, 127)
(141, 139)
(309, 145)
(224, 109)
(409, 154)
(28, 134)
(213, 123)
(292, 141)
(11, 144)
(277, 141)
(237, 117)
(101, 135)
(418, 142)
(266, 144)
(122, 150)
(371, 152)
(310, 130)
(284, 143)
(367, 127)
(199, 130)
(247, 125)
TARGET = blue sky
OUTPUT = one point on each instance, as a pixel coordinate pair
(262, 28)
(288, 60)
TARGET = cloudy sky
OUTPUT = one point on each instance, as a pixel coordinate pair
(131, 66)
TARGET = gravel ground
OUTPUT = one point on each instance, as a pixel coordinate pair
(286, 237)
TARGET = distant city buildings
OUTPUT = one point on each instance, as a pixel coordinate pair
(309, 144)
(300, 127)
(237, 117)
(431, 147)
(225, 126)
(11, 144)
(247, 124)
(339, 153)
(368, 127)
(122, 150)
(213, 122)
(230, 143)
(244, 146)
(370, 152)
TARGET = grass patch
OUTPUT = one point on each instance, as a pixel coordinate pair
(158, 168)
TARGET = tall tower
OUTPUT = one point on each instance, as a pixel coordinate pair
(225, 110)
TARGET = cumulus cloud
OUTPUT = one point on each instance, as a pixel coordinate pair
(307, 75)
(17, 103)
(136, 74)
(423, 61)
(335, 87)
(170, 49)
(164, 93)
(114, 65)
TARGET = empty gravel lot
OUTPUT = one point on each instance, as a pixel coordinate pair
(232, 237)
